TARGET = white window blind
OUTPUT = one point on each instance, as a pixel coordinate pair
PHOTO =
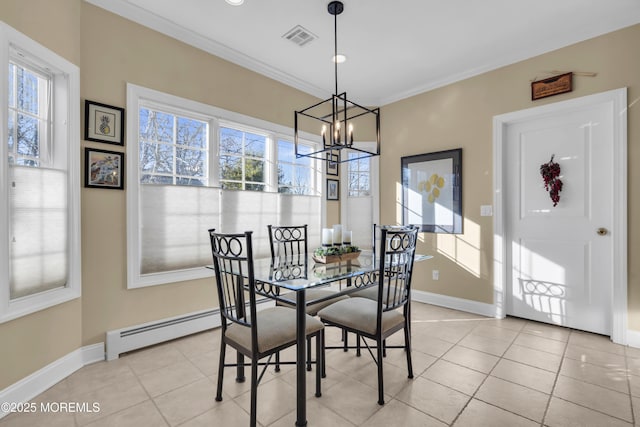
(173, 226)
(250, 211)
(168, 219)
(40, 257)
(301, 210)
(175, 220)
(38, 230)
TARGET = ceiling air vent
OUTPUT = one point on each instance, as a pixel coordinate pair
(299, 35)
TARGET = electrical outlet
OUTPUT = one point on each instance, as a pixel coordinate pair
(486, 210)
(435, 274)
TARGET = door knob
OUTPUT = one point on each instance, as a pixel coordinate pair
(602, 231)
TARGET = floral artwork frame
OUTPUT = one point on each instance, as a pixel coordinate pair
(103, 123)
(103, 169)
(432, 191)
(333, 189)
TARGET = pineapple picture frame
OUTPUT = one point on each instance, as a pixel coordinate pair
(103, 123)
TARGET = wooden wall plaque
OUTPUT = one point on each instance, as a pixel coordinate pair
(551, 86)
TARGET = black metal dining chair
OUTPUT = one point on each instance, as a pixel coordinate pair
(389, 312)
(254, 334)
(289, 246)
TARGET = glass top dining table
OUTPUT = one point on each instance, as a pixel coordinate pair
(300, 273)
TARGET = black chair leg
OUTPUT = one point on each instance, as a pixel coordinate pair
(223, 348)
(324, 355)
(345, 340)
(380, 373)
(384, 348)
(308, 353)
(240, 368)
(254, 391)
(319, 363)
(278, 361)
(358, 338)
(407, 349)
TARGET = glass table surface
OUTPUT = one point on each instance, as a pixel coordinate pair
(304, 272)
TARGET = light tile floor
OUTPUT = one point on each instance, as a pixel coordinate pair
(469, 371)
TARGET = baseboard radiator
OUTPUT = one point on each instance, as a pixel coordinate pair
(139, 336)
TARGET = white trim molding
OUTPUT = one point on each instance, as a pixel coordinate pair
(617, 100)
(470, 306)
(633, 338)
(43, 379)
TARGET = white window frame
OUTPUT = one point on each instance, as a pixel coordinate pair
(268, 160)
(315, 188)
(65, 126)
(348, 179)
(138, 95)
(185, 114)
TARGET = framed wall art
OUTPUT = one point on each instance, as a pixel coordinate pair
(103, 169)
(333, 189)
(432, 191)
(103, 123)
(333, 160)
(552, 86)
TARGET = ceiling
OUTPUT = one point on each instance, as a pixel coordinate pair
(395, 49)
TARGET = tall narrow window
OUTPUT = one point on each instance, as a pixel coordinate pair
(29, 107)
(242, 160)
(39, 218)
(359, 176)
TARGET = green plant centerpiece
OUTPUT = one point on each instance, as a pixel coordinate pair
(330, 254)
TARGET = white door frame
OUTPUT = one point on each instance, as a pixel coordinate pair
(618, 101)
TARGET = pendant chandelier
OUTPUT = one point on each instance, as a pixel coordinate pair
(342, 125)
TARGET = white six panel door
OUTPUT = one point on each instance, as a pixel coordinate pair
(561, 258)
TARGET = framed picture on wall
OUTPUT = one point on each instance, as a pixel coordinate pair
(333, 160)
(333, 189)
(432, 191)
(103, 169)
(103, 123)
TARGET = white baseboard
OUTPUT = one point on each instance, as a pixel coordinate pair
(461, 304)
(633, 338)
(43, 379)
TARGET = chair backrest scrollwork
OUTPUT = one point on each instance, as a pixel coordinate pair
(233, 265)
(397, 253)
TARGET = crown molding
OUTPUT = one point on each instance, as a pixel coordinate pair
(171, 29)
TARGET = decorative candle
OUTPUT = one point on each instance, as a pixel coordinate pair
(346, 238)
(337, 234)
(324, 130)
(327, 237)
(350, 133)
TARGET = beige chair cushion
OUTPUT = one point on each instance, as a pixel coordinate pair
(276, 327)
(310, 295)
(360, 314)
(371, 293)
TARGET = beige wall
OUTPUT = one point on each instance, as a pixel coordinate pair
(31, 342)
(116, 51)
(460, 115)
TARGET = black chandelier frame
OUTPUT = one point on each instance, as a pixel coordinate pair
(337, 126)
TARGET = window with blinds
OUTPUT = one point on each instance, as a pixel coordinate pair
(39, 218)
(232, 183)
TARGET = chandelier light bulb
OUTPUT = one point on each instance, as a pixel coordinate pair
(339, 58)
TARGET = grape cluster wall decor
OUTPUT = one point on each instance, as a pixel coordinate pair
(551, 174)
